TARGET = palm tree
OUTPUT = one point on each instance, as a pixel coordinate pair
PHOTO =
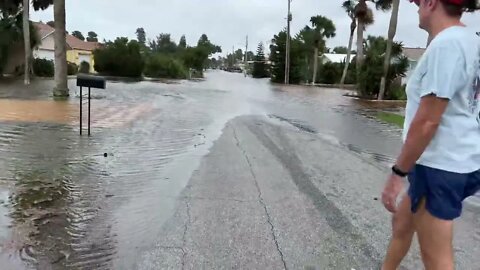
(391, 34)
(61, 83)
(26, 40)
(323, 28)
(349, 7)
(365, 17)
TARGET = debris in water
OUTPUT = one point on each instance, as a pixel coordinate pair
(105, 155)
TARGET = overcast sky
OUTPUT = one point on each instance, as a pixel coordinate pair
(226, 22)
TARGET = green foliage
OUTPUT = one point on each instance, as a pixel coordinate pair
(84, 67)
(260, 67)
(72, 68)
(165, 66)
(183, 43)
(78, 35)
(141, 35)
(331, 73)
(120, 58)
(43, 68)
(340, 50)
(372, 71)
(277, 57)
(195, 58)
(397, 92)
(163, 44)
(250, 56)
(11, 33)
(391, 118)
(239, 55)
(92, 37)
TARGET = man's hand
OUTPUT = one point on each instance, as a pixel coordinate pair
(393, 187)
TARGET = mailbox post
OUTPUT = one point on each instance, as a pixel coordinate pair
(89, 82)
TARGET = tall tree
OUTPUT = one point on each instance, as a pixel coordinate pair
(183, 42)
(163, 44)
(26, 40)
(78, 35)
(349, 7)
(392, 30)
(365, 17)
(260, 67)
(92, 37)
(141, 35)
(323, 28)
(278, 59)
(239, 54)
(61, 83)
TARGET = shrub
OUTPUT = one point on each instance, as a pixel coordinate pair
(164, 66)
(372, 69)
(84, 67)
(72, 68)
(120, 58)
(43, 67)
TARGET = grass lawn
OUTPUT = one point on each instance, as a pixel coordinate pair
(391, 118)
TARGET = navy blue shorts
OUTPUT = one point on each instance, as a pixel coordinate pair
(443, 191)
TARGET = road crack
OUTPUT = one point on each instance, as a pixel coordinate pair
(184, 236)
(260, 197)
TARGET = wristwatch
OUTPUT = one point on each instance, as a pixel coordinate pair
(398, 172)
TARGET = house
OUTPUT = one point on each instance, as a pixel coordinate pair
(81, 51)
(335, 58)
(413, 55)
(77, 50)
(46, 48)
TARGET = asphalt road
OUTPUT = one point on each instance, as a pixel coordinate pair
(271, 196)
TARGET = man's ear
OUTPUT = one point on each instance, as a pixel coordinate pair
(432, 4)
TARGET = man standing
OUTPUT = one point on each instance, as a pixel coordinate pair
(441, 151)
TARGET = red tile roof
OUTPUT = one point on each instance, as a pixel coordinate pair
(78, 44)
(44, 30)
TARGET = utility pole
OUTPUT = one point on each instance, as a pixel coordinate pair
(287, 50)
(246, 50)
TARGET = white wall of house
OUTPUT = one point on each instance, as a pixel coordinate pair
(84, 57)
(46, 49)
(44, 54)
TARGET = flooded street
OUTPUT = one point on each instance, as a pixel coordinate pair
(102, 202)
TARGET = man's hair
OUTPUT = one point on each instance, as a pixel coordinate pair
(457, 10)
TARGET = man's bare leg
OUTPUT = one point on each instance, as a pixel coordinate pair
(435, 237)
(402, 235)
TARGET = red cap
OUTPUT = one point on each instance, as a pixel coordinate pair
(453, 2)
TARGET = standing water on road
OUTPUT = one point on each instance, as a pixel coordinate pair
(96, 202)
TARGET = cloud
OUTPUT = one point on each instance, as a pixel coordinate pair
(226, 22)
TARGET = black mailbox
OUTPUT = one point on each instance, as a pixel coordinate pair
(91, 81)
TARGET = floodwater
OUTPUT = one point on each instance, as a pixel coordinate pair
(71, 202)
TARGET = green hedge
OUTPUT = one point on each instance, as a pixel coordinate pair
(43, 68)
(84, 67)
(165, 66)
(72, 68)
(120, 58)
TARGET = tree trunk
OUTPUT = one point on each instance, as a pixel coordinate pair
(353, 26)
(315, 65)
(391, 34)
(26, 40)
(61, 83)
(360, 30)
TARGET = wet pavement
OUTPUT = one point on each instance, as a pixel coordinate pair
(110, 201)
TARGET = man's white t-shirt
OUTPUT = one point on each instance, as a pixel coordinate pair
(450, 69)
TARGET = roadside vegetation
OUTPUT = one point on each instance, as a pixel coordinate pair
(391, 118)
